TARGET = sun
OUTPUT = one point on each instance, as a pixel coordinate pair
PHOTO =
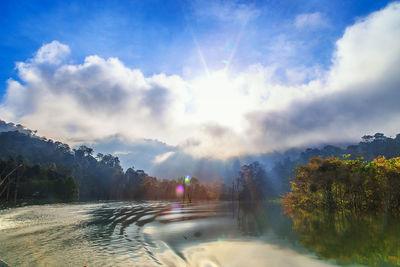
(219, 99)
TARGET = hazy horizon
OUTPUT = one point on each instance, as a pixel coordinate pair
(201, 81)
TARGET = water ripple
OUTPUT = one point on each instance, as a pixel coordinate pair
(120, 234)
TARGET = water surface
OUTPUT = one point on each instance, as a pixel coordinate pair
(200, 234)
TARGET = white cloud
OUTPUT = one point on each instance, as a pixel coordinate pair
(222, 114)
(163, 157)
(93, 100)
(52, 53)
(312, 20)
(358, 94)
(368, 50)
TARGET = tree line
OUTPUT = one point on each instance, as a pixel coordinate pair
(101, 177)
(346, 184)
(370, 147)
(32, 183)
(52, 171)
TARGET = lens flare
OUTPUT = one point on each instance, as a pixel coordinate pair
(187, 179)
(179, 190)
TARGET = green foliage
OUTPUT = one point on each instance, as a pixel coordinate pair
(349, 238)
(369, 148)
(93, 176)
(35, 183)
(57, 173)
(355, 185)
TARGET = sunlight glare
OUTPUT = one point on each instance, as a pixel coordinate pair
(219, 99)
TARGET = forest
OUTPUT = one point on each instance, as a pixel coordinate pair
(370, 147)
(346, 184)
(33, 182)
(36, 168)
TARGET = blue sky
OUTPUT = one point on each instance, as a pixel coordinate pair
(164, 36)
(156, 82)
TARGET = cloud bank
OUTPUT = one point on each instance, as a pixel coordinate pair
(222, 114)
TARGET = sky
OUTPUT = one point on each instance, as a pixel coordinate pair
(186, 83)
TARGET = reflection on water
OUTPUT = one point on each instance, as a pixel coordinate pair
(200, 234)
(368, 239)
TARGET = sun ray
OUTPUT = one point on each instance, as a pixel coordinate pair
(196, 43)
(236, 44)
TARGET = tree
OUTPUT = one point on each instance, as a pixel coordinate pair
(253, 184)
(355, 185)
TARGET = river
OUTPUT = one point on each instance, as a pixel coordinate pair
(200, 234)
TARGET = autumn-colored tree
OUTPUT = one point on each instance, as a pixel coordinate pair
(358, 185)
